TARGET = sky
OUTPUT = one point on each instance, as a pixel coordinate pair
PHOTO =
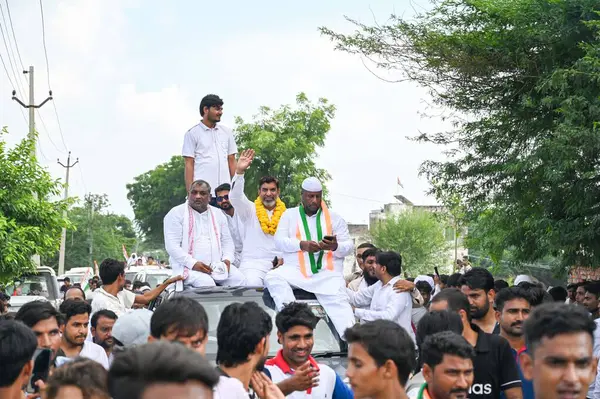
(128, 75)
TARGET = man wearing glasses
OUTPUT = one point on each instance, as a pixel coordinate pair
(235, 225)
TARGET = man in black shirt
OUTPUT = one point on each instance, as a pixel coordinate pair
(494, 365)
(478, 285)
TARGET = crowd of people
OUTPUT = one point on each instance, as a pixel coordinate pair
(432, 337)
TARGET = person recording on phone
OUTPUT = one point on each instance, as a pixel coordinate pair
(382, 301)
(17, 347)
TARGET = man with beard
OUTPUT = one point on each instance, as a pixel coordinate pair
(447, 366)
(43, 319)
(314, 242)
(559, 356)
(243, 346)
(199, 243)
(478, 285)
(591, 298)
(74, 343)
(235, 227)
(260, 219)
(357, 275)
(513, 306)
(293, 369)
(367, 265)
(102, 324)
(209, 149)
(580, 292)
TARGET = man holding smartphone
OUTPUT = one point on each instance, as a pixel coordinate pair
(17, 347)
(43, 319)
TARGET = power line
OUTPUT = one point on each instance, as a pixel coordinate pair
(47, 134)
(62, 137)
(8, 51)
(14, 36)
(6, 70)
(82, 179)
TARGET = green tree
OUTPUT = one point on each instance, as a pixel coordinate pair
(97, 229)
(522, 79)
(285, 141)
(418, 236)
(30, 222)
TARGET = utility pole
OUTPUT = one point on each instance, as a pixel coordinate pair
(61, 256)
(31, 136)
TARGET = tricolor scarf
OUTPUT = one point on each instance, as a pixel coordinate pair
(303, 234)
(280, 362)
(423, 393)
(189, 238)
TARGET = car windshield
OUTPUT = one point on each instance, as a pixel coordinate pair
(77, 279)
(325, 340)
(130, 276)
(29, 286)
(156, 279)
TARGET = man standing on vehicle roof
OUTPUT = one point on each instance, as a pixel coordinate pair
(294, 370)
(209, 149)
(314, 242)
(260, 220)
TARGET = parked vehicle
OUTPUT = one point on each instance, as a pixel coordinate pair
(33, 287)
(132, 271)
(153, 277)
(328, 348)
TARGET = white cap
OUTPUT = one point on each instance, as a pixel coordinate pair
(425, 278)
(524, 277)
(312, 184)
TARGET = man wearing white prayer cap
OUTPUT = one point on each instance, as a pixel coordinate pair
(314, 243)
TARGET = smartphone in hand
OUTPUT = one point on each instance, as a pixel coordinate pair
(42, 359)
(329, 238)
(275, 261)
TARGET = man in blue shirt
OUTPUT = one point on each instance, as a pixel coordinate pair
(513, 306)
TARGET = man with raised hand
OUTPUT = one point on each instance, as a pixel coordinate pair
(314, 243)
(260, 219)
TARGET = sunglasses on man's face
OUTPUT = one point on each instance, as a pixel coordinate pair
(222, 198)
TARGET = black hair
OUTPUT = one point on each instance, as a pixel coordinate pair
(369, 252)
(71, 307)
(295, 314)
(73, 288)
(137, 284)
(181, 314)
(558, 293)
(385, 340)
(110, 270)
(456, 300)
(200, 183)
(411, 279)
(510, 293)
(210, 100)
(593, 288)
(392, 262)
(33, 312)
(109, 314)
(365, 245)
(445, 343)
(453, 280)
(551, 319)
(444, 279)
(127, 282)
(17, 346)
(424, 286)
(67, 279)
(500, 284)
(537, 293)
(223, 187)
(572, 286)
(241, 328)
(435, 322)
(87, 375)
(478, 278)
(139, 367)
(268, 179)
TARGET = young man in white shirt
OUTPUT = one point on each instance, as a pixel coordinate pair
(112, 295)
(74, 343)
(222, 201)
(382, 300)
(293, 369)
(243, 346)
(209, 149)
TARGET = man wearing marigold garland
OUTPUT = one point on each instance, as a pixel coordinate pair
(314, 242)
(260, 219)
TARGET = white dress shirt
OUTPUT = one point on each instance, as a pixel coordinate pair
(384, 303)
(94, 352)
(210, 148)
(119, 304)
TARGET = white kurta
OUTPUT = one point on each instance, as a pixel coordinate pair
(325, 281)
(258, 247)
(205, 249)
(235, 229)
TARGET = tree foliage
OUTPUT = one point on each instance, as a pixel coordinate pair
(285, 141)
(93, 226)
(523, 81)
(418, 236)
(30, 222)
